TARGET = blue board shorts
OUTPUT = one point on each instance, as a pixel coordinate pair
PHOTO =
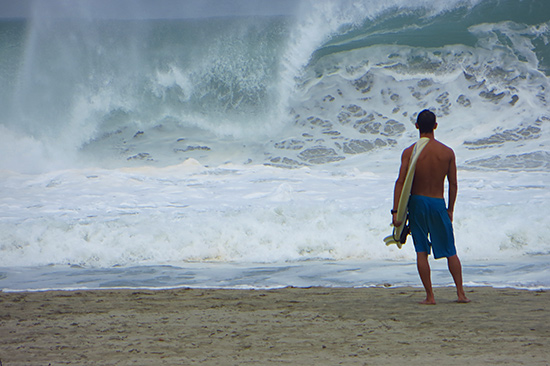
(428, 217)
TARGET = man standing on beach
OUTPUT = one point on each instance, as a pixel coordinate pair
(428, 214)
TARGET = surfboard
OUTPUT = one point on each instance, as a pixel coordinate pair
(402, 209)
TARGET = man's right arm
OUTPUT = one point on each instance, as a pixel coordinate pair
(399, 184)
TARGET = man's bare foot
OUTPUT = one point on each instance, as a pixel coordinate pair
(462, 299)
(427, 302)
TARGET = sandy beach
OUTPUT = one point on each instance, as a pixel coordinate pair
(311, 326)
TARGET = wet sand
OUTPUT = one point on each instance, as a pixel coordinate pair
(290, 326)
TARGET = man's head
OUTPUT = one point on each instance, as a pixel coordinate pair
(425, 121)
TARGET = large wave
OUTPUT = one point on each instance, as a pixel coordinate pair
(328, 82)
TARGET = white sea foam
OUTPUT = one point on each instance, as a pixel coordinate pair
(101, 218)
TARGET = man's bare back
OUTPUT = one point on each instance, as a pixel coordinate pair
(435, 162)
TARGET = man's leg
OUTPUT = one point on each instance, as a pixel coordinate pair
(456, 271)
(424, 271)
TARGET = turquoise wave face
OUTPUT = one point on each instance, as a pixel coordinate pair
(420, 27)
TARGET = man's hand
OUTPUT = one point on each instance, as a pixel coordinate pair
(394, 220)
(450, 212)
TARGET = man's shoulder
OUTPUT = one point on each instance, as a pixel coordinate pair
(407, 153)
(409, 149)
(444, 147)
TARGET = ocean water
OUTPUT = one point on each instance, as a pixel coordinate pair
(261, 151)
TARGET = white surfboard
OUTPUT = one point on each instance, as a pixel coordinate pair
(402, 207)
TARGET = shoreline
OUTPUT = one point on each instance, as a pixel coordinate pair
(305, 326)
(470, 286)
(263, 276)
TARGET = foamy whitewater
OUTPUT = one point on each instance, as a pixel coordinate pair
(261, 151)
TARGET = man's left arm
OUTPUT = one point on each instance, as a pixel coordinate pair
(453, 185)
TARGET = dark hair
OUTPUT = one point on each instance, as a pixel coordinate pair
(426, 121)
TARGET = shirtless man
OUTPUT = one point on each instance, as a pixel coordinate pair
(427, 211)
